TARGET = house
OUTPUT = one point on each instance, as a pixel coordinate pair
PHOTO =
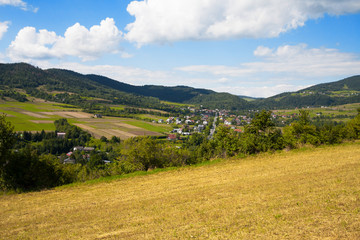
(172, 137)
(78, 148)
(97, 116)
(88, 149)
(69, 161)
(161, 121)
(227, 122)
(61, 135)
(200, 127)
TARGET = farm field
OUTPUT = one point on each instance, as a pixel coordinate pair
(311, 193)
(348, 109)
(39, 115)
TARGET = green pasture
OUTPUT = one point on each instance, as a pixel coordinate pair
(177, 104)
(36, 106)
(25, 122)
(148, 126)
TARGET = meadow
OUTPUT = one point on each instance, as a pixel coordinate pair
(333, 112)
(310, 193)
(39, 115)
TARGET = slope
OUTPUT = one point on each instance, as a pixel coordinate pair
(327, 94)
(45, 83)
(277, 196)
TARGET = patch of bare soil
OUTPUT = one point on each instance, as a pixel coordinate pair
(42, 121)
(125, 125)
(37, 115)
(69, 114)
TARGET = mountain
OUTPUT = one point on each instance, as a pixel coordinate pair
(178, 94)
(75, 88)
(326, 94)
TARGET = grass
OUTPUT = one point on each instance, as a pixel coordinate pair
(302, 194)
(178, 104)
(32, 116)
(24, 122)
(150, 127)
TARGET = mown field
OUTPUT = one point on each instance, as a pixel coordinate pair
(39, 115)
(301, 194)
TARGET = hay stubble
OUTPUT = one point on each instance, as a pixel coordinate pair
(304, 194)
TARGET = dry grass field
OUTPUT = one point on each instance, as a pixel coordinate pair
(302, 194)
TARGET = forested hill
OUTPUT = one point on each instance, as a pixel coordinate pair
(46, 83)
(347, 84)
(327, 94)
(71, 87)
(174, 94)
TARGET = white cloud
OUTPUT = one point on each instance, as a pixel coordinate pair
(162, 21)
(131, 75)
(18, 3)
(293, 59)
(3, 28)
(286, 68)
(78, 41)
(260, 91)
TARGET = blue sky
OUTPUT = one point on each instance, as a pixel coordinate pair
(246, 47)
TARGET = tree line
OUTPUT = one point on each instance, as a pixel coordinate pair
(28, 161)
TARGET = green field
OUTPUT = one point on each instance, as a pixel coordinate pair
(302, 194)
(29, 116)
(349, 109)
(160, 128)
(40, 115)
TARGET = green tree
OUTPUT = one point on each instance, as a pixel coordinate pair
(7, 141)
(301, 132)
(144, 151)
(261, 135)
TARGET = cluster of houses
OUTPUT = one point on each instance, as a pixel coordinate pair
(86, 155)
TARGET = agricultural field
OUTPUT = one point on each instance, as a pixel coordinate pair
(337, 113)
(39, 115)
(302, 194)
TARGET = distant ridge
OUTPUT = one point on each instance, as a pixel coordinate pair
(326, 94)
(41, 83)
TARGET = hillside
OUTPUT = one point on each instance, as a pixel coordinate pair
(46, 84)
(327, 94)
(285, 195)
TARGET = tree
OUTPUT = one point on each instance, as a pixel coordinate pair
(301, 132)
(115, 139)
(144, 151)
(103, 139)
(7, 140)
(261, 135)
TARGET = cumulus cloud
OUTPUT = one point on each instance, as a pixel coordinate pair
(19, 3)
(260, 91)
(78, 41)
(3, 28)
(162, 21)
(286, 68)
(293, 59)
